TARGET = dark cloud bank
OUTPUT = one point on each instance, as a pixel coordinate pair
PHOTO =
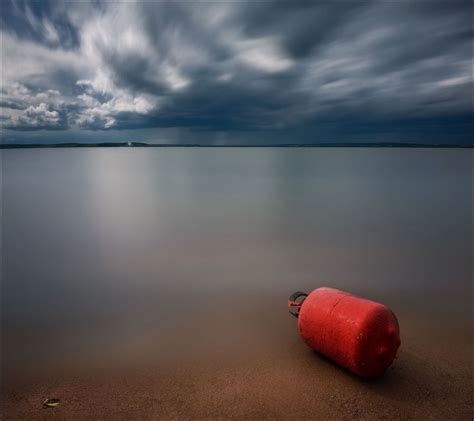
(237, 72)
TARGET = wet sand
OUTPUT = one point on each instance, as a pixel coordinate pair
(274, 377)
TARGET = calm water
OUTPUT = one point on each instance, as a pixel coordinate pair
(151, 254)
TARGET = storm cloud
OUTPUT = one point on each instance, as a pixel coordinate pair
(276, 69)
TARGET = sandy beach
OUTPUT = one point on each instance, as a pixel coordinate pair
(277, 377)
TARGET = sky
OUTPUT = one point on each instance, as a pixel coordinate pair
(237, 72)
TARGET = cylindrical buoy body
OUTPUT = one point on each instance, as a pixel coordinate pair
(360, 335)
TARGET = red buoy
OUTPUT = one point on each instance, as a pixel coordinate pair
(358, 334)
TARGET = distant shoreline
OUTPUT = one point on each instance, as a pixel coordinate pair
(287, 145)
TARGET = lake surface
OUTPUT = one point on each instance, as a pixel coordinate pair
(119, 256)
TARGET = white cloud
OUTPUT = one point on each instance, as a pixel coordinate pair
(262, 54)
(454, 81)
(27, 61)
(39, 116)
(94, 113)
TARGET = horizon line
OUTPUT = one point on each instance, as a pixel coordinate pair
(201, 145)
